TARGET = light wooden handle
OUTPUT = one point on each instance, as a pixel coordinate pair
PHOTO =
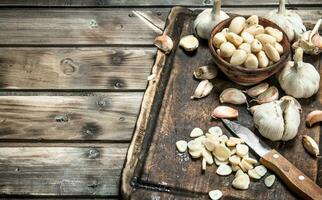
(292, 177)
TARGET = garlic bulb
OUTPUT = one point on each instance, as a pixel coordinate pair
(299, 79)
(208, 19)
(278, 120)
(288, 20)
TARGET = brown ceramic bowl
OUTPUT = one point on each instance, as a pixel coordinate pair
(242, 75)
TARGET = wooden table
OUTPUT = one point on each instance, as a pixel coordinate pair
(72, 78)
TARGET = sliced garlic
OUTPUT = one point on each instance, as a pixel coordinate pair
(223, 139)
(238, 58)
(241, 182)
(207, 156)
(205, 72)
(250, 160)
(247, 37)
(257, 90)
(234, 39)
(221, 152)
(223, 170)
(224, 112)
(277, 34)
(196, 132)
(263, 60)
(203, 164)
(211, 142)
(234, 160)
(189, 43)
(313, 117)
(271, 52)
(194, 145)
(203, 89)
(215, 194)
(218, 39)
(196, 153)
(233, 96)
(164, 43)
(269, 181)
(235, 168)
(253, 174)
(245, 166)
(310, 145)
(239, 172)
(237, 24)
(215, 130)
(256, 46)
(181, 146)
(218, 162)
(271, 94)
(242, 149)
(233, 151)
(236, 140)
(227, 49)
(260, 170)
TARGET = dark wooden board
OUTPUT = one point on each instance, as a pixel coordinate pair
(154, 167)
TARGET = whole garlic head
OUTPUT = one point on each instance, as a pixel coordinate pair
(208, 19)
(278, 120)
(288, 20)
(299, 79)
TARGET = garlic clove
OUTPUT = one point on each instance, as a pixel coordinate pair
(310, 145)
(256, 46)
(164, 43)
(218, 39)
(233, 96)
(263, 60)
(234, 38)
(277, 34)
(227, 49)
(189, 43)
(313, 117)
(205, 72)
(246, 47)
(278, 47)
(181, 146)
(291, 116)
(238, 58)
(252, 20)
(271, 52)
(257, 90)
(203, 89)
(247, 37)
(224, 112)
(265, 38)
(269, 181)
(237, 24)
(241, 182)
(271, 94)
(224, 170)
(196, 132)
(255, 29)
(215, 194)
(251, 61)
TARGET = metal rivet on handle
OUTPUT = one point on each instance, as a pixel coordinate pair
(301, 178)
(276, 156)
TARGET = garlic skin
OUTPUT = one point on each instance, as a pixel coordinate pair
(233, 96)
(291, 119)
(205, 72)
(288, 20)
(208, 19)
(164, 43)
(299, 79)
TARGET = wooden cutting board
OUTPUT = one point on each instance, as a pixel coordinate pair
(154, 169)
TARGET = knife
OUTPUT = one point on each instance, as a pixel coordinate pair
(296, 180)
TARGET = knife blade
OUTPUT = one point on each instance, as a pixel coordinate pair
(296, 180)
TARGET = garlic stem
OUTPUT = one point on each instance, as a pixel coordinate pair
(281, 7)
(315, 30)
(298, 58)
(216, 9)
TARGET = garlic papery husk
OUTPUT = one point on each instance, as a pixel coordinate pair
(233, 96)
(288, 20)
(299, 79)
(205, 72)
(164, 43)
(203, 89)
(208, 19)
(269, 95)
(277, 120)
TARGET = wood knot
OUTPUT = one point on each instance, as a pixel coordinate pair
(93, 23)
(61, 118)
(91, 129)
(93, 153)
(68, 66)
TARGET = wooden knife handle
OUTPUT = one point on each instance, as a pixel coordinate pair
(292, 177)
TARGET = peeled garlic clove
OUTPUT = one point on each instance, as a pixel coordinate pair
(189, 43)
(215, 194)
(256, 46)
(277, 34)
(233, 96)
(221, 152)
(238, 58)
(278, 47)
(255, 29)
(234, 39)
(181, 146)
(241, 182)
(227, 49)
(253, 174)
(205, 72)
(207, 156)
(203, 89)
(246, 47)
(257, 90)
(252, 20)
(224, 112)
(260, 170)
(237, 24)
(164, 43)
(271, 94)
(247, 37)
(263, 60)
(218, 162)
(218, 39)
(310, 145)
(269, 181)
(215, 130)
(265, 38)
(251, 62)
(313, 117)
(234, 160)
(271, 52)
(196, 132)
(223, 170)
(242, 149)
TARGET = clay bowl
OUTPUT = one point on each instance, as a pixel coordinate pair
(242, 75)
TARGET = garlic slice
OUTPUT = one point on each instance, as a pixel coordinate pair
(271, 94)
(196, 132)
(245, 166)
(233, 96)
(260, 170)
(269, 181)
(203, 89)
(215, 194)
(253, 174)
(207, 156)
(257, 90)
(196, 154)
(234, 160)
(218, 162)
(242, 150)
(310, 145)
(164, 43)
(205, 72)
(241, 182)
(189, 43)
(194, 145)
(313, 117)
(221, 152)
(223, 170)
(251, 160)
(211, 142)
(215, 130)
(181, 146)
(203, 164)
(224, 112)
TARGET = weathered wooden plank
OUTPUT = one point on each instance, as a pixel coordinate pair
(75, 68)
(125, 3)
(108, 116)
(61, 170)
(73, 26)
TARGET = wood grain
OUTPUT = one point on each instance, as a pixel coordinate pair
(125, 3)
(61, 170)
(108, 116)
(75, 68)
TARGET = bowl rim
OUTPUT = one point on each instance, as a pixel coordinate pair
(284, 57)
